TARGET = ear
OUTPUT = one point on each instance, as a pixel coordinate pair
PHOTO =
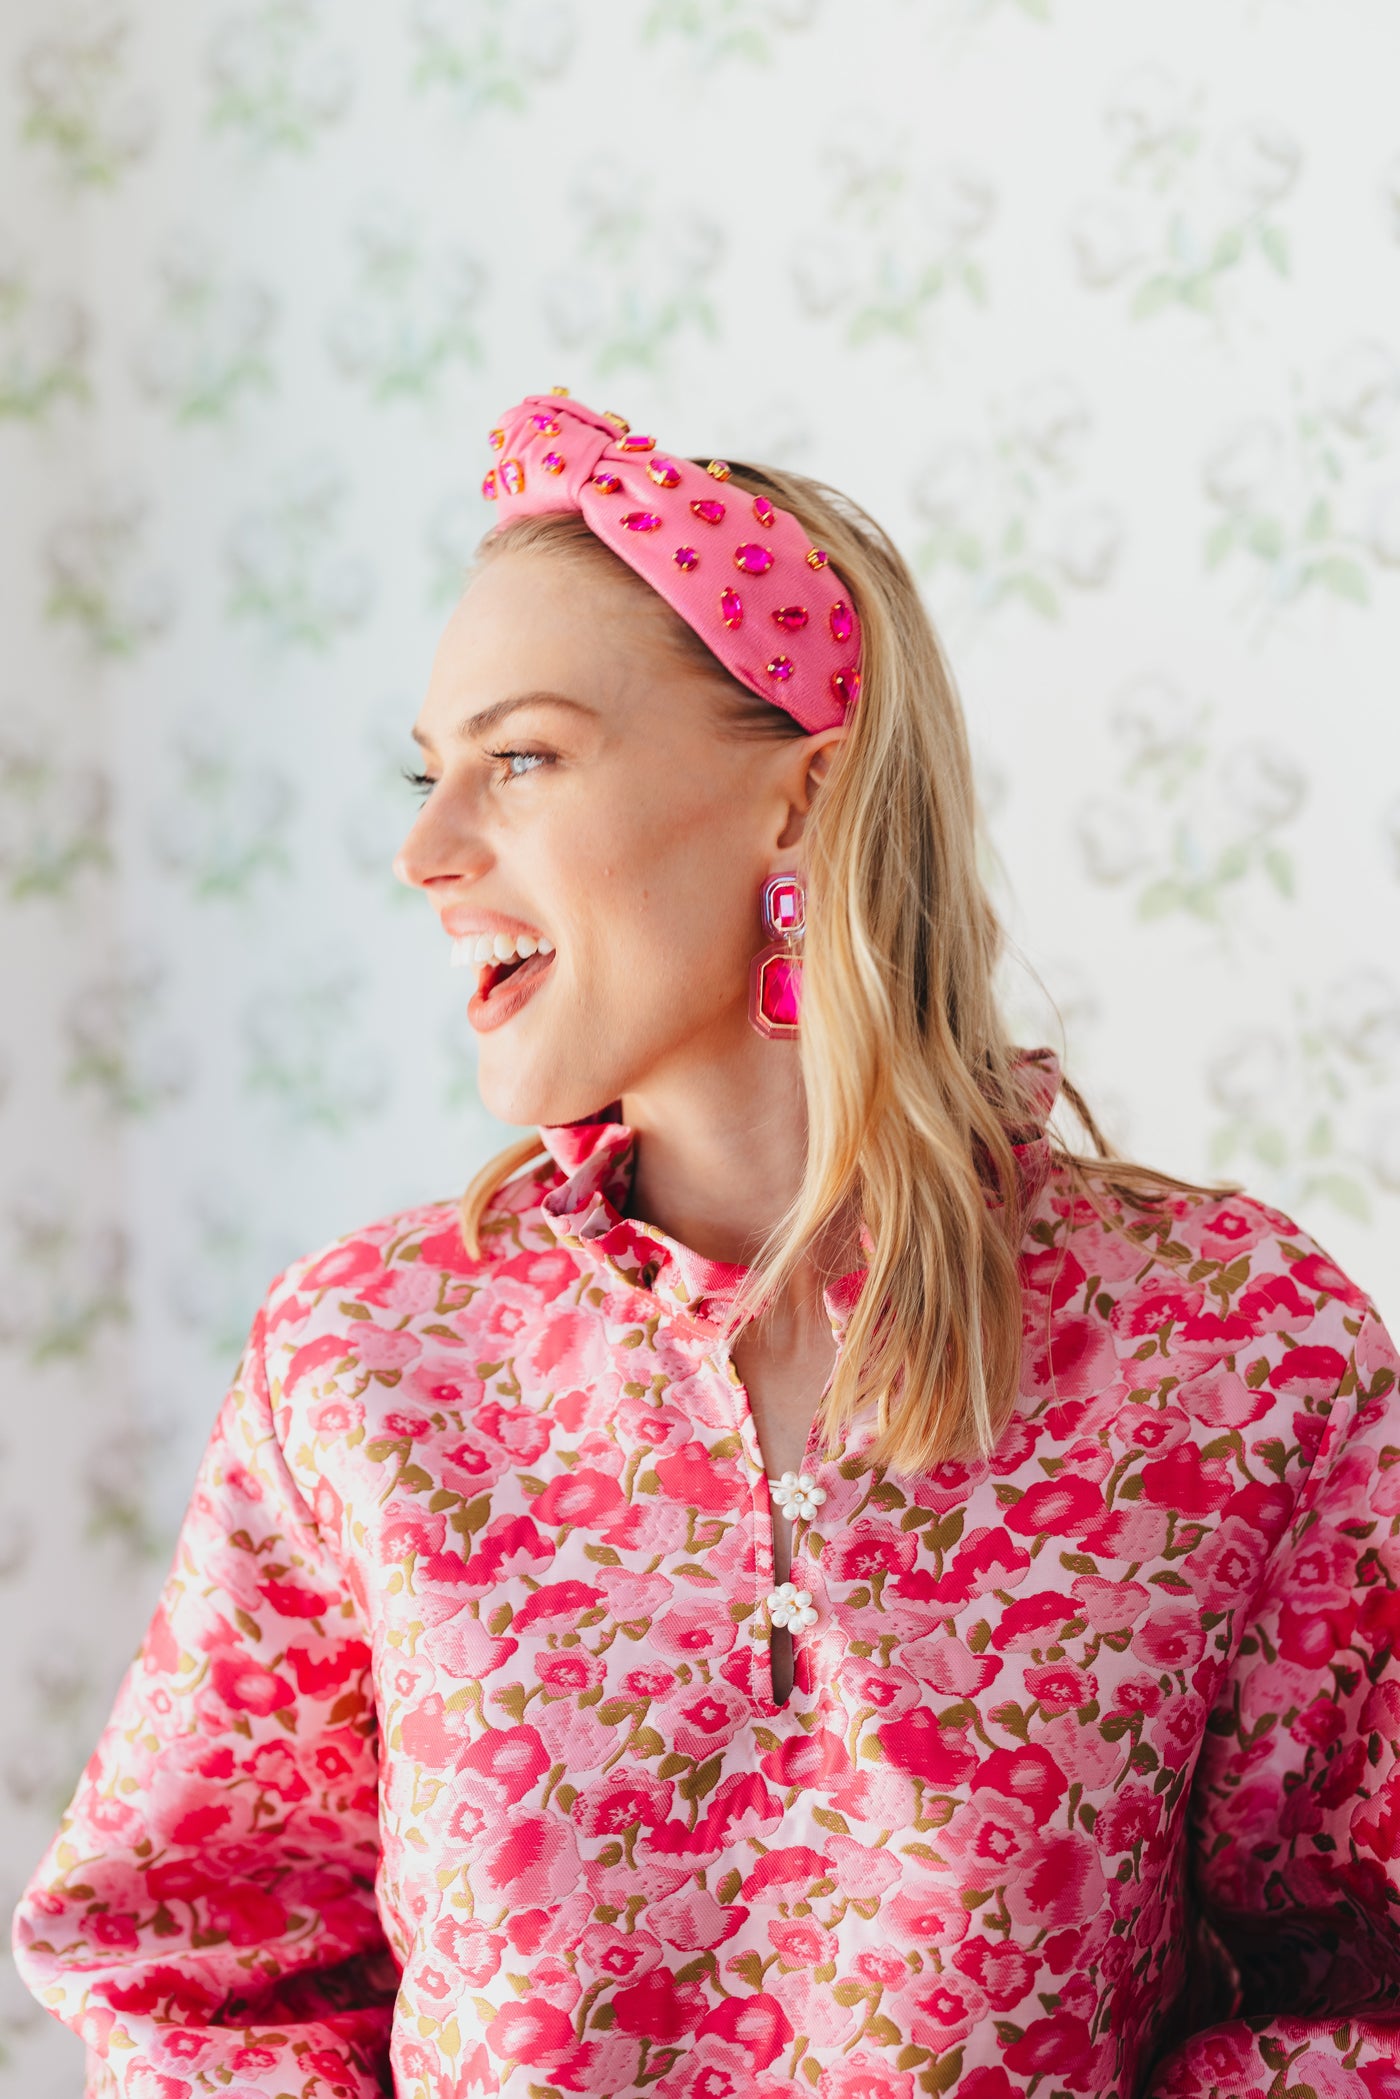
(808, 762)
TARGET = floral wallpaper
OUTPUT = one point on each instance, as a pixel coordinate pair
(1094, 305)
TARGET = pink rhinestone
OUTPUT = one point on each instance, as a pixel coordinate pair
(553, 462)
(846, 686)
(609, 482)
(512, 477)
(497, 439)
(783, 905)
(664, 472)
(546, 425)
(640, 520)
(780, 990)
(686, 557)
(489, 488)
(708, 511)
(753, 559)
(731, 607)
(719, 468)
(791, 616)
(817, 557)
(636, 443)
(843, 621)
(780, 667)
(763, 510)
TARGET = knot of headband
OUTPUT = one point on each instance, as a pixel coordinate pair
(737, 568)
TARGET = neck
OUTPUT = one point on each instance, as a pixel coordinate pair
(721, 1148)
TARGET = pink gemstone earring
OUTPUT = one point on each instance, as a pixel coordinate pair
(775, 975)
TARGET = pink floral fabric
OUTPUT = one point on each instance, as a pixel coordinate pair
(449, 1764)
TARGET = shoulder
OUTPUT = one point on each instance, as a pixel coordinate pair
(1221, 1242)
(392, 1274)
(1194, 1276)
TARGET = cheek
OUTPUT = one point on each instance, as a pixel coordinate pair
(685, 861)
(662, 964)
(690, 919)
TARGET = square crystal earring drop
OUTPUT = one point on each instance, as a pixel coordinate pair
(775, 976)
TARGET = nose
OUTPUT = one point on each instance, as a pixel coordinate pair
(439, 848)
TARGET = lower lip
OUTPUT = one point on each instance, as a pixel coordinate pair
(506, 1000)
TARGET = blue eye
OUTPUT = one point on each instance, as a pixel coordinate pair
(518, 763)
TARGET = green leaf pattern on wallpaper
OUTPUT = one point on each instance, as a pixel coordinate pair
(1093, 306)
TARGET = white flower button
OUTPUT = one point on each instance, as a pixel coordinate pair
(797, 1494)
(791, 1606)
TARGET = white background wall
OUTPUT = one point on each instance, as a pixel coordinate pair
(1096, 303)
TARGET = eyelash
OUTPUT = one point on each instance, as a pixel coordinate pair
(542, 758)
(423, 783)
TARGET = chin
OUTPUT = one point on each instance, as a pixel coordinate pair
(531, 1099)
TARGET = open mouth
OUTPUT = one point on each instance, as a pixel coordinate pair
(504, 981)
(518, 970)
(502, 987)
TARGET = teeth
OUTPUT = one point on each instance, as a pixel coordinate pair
(475, 949)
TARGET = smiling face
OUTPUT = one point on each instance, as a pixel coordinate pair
(594, 814)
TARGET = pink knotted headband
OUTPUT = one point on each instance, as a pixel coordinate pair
(737, 568)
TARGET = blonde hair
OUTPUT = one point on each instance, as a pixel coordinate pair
(912, 1093)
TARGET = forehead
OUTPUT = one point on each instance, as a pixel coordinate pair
(533, 620)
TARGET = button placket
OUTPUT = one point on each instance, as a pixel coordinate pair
(785, 1606)
(798, 1497)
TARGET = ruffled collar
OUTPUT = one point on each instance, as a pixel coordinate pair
(584, 1209)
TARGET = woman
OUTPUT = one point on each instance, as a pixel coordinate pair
(803, 1584)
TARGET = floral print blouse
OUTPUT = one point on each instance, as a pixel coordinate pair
(449, 1763)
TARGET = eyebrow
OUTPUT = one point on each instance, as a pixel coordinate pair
(491, 717)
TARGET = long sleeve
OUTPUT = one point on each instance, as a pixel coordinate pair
(1295, 1816)
(205, 1916)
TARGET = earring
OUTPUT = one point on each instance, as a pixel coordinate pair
(775, 974)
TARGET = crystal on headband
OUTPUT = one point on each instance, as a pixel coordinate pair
(763, 510)
(619, 422)
(843, 621)
(686, 557)
(640, 520)
(559, 389)
(512, 477)
(731, 607)
(496, 439)
(846, 686)
(753, 559)
(546, 425)
(553, 462)
(609, 482)
(791, 616)
(664, 472)
(489, 488)
(780, 667)
(817, 557)
(708, 511)
(636, 444)
(719, 469)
